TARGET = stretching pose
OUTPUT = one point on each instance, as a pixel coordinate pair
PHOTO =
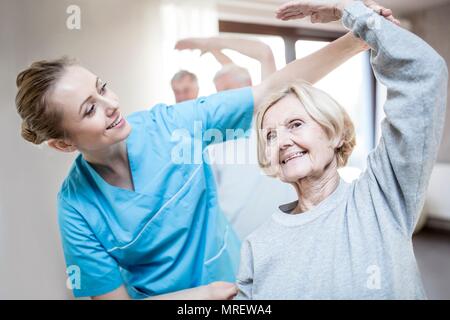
(341, 240)
(134, 222)
(232, 76)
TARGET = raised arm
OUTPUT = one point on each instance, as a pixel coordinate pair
(311, 68)
(251, 48)
(317, 65)
(222, 58)
(416, 79)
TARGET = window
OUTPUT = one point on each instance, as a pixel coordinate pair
(276, 43)
(351, 85)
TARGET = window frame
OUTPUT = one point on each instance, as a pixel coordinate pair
(290, 36)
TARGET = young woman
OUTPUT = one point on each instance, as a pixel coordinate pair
(135, 223)
(340, 240)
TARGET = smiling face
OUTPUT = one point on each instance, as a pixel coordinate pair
(91, 117)
(296, 145)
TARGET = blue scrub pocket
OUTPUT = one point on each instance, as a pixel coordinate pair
(224, 265)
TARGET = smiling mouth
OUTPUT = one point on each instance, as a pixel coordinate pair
(116, 122)
(298, 154)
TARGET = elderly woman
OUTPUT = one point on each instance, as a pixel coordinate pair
(341, 240)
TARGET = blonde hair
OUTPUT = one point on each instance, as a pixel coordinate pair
(323, 109)
(39, 122)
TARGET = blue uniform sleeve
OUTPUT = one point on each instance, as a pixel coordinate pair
(219, 117)
(91, 270)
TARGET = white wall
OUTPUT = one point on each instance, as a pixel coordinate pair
(118, 40)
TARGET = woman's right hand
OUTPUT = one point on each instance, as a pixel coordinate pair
(193, 44)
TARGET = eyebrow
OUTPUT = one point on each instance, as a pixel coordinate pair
(88, 98)
(288, 120)
(293, 118)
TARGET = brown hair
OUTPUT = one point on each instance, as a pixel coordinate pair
(39, 121)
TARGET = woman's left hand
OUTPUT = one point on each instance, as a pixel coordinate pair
(326, 11)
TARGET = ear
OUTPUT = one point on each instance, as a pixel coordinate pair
(337, 142)
(61, 145)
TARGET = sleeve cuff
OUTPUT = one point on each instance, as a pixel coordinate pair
(250, 105)
(108, 283)
(243, 99)
(354, 12)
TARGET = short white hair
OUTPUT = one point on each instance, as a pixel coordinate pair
(237, 73)
(184, 73)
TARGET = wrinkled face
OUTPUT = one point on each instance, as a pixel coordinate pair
(227, 82)
(296, 145)
(91, 113)
(185, 89)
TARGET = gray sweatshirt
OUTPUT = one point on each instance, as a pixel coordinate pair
(357, 243)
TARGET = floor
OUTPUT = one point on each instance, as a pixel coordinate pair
(432, 250)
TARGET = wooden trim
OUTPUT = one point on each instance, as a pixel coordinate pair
(290, 32)
(438, 224)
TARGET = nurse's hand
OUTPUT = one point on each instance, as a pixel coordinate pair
(213, 291)
(221, 291)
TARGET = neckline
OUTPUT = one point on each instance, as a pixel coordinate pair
(99, 179)
(284, 217)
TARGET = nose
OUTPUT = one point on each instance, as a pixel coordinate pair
(110, 105)
(284, 139)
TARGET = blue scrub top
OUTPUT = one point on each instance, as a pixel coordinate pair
(168, 234)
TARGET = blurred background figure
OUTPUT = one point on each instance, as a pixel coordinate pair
(231, 75)
(246, 195)
(184, 85)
